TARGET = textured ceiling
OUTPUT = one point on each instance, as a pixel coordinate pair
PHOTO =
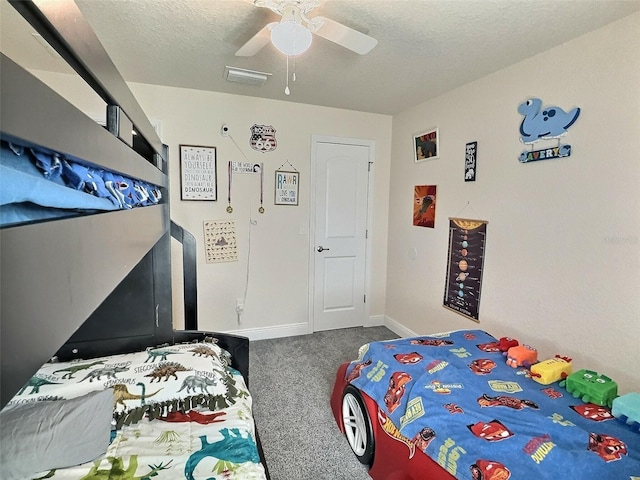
(426, 47)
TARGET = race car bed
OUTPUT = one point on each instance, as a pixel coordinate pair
(450, 406)
(92, 371)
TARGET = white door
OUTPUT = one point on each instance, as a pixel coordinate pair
(341, 183)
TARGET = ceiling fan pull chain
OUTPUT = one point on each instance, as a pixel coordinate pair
(294, 69)
(286, 88)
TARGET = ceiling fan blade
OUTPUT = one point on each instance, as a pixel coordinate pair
(257, 42)
(345, 36)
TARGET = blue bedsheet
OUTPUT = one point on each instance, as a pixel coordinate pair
(454, 397)
(35, 185)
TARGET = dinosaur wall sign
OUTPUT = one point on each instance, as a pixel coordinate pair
(548, 123)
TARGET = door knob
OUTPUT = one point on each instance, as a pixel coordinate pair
(322, 249)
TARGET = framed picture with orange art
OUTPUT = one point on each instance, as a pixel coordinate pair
(424, 206)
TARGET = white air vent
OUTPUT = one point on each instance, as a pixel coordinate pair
(248, 77)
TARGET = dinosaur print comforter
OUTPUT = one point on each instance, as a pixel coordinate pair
(453, 397)
(180, 412)
(193, 446)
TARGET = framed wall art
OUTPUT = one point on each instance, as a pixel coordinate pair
(198, 173)
(426, 145)
(470, 158)
(287, 187)
(220, 241)
(424, 206)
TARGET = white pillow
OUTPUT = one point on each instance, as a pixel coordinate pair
(40, 436)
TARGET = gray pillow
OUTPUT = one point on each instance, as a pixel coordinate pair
(38, 437)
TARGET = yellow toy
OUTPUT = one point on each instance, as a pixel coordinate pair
(551, 370)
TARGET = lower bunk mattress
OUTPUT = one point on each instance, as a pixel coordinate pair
(172, 412)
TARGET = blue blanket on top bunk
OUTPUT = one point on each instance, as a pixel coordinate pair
(454, 397)
(35, 185)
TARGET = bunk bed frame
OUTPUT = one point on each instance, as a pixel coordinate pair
(92, 285)
(81, 287)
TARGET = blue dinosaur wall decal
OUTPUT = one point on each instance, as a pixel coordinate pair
(539, 123)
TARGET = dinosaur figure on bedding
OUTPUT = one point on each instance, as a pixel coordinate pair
(116, 470)
(121, 393)
(193, 382)
(166, 370)
(153, 354)
(205, 351)
(232, 449)
(71, 369)
(35, 383)
(110, 372)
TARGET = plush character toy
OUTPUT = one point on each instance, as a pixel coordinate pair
(592, 387)
(505, 343)
(551, 370)
(522, 355)
(626, 408)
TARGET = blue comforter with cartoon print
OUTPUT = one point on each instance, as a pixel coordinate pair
(454, 397)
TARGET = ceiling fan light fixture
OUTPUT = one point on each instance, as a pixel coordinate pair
(291, 38)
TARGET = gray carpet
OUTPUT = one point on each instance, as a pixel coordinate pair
(291, 381)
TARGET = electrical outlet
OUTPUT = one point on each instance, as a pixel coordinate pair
(239, 306)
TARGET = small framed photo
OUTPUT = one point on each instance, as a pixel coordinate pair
(198, 173)
(426, 145)
(287, 187)
(470, 158)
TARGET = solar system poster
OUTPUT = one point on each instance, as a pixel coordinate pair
(464, 268)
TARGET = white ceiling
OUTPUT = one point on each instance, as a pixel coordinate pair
(426, 47)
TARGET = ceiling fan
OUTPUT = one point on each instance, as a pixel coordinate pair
(293, 34)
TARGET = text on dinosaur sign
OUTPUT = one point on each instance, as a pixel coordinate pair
(286, 188)
(545, 154)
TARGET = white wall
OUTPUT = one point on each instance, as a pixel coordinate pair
(562, 265)
(277, 301)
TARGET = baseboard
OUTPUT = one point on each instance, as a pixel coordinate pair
(398, 328)
(277, 331)
(376, 321)
(294, 329)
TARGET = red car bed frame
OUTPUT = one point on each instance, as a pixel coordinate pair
(391, 458)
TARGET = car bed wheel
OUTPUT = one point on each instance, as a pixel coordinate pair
(357, 425)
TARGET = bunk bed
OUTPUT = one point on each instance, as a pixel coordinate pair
(87, 290)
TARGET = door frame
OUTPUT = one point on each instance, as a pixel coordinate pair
(315, 140)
